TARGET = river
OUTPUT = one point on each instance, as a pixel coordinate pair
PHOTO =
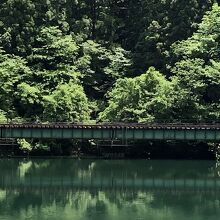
(69, 189)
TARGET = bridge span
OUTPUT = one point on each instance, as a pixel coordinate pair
(115, 131)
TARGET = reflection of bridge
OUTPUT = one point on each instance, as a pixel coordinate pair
(117, 131)
(10, 182)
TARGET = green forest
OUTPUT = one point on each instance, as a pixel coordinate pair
(101, 61)
(109, 60)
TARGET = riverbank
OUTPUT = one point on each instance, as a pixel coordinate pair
(131, 150)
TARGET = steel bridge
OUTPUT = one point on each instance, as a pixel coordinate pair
(114, 131)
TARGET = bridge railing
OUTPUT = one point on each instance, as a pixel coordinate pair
(161, 123)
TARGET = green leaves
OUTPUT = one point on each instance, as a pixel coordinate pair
(161, 23)
(141, 99)
(59, 58)
(196, 72)
(39, 93)
(24, 145)
(13, 71)
(77, 57)
(28, 94)
(204, 43)
(200, 83)
(101, 67)
(17, 34)
(67, 103)
(54, 50)
(3, 116)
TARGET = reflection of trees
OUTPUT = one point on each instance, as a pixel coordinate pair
(106, 204)
(103, 204)
(141, 168)
(207, 204)
(105, 168)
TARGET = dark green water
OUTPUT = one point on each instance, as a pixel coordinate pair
(104, 190)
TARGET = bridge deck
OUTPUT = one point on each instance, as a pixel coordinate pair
(115, 131)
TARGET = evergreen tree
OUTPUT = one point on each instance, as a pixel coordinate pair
(17, 26)
(197, 68)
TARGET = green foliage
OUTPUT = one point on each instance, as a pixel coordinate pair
(59, 58)
(28, 100)
(101, 67)
(28, 94)
(18, 26)
(200, 84)
(23, 92)
(3, 117)
(24, 145)
(204, 43)
(54, 49)
(139, 99)
(67, 103)
(196, 71)
(13, 70)
(152, 26)
(66, 60)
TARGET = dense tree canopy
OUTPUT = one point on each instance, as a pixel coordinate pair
(67, 103)
(139, 99)
(123, 60)
(196, 70)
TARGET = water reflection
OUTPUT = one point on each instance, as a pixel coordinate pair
(101, 189)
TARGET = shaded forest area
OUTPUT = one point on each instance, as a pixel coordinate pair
(109, 60)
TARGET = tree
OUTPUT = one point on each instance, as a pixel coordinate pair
(53, 60)
(140, 99)
(150, 27)
(196, 70)
(28, 100)
(13, 70)
(101, 67)
(53, 49)
(17, 26)
(204, 43)
(67, 103)
(198, 86)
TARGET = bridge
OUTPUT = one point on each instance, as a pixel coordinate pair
(113, 131)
